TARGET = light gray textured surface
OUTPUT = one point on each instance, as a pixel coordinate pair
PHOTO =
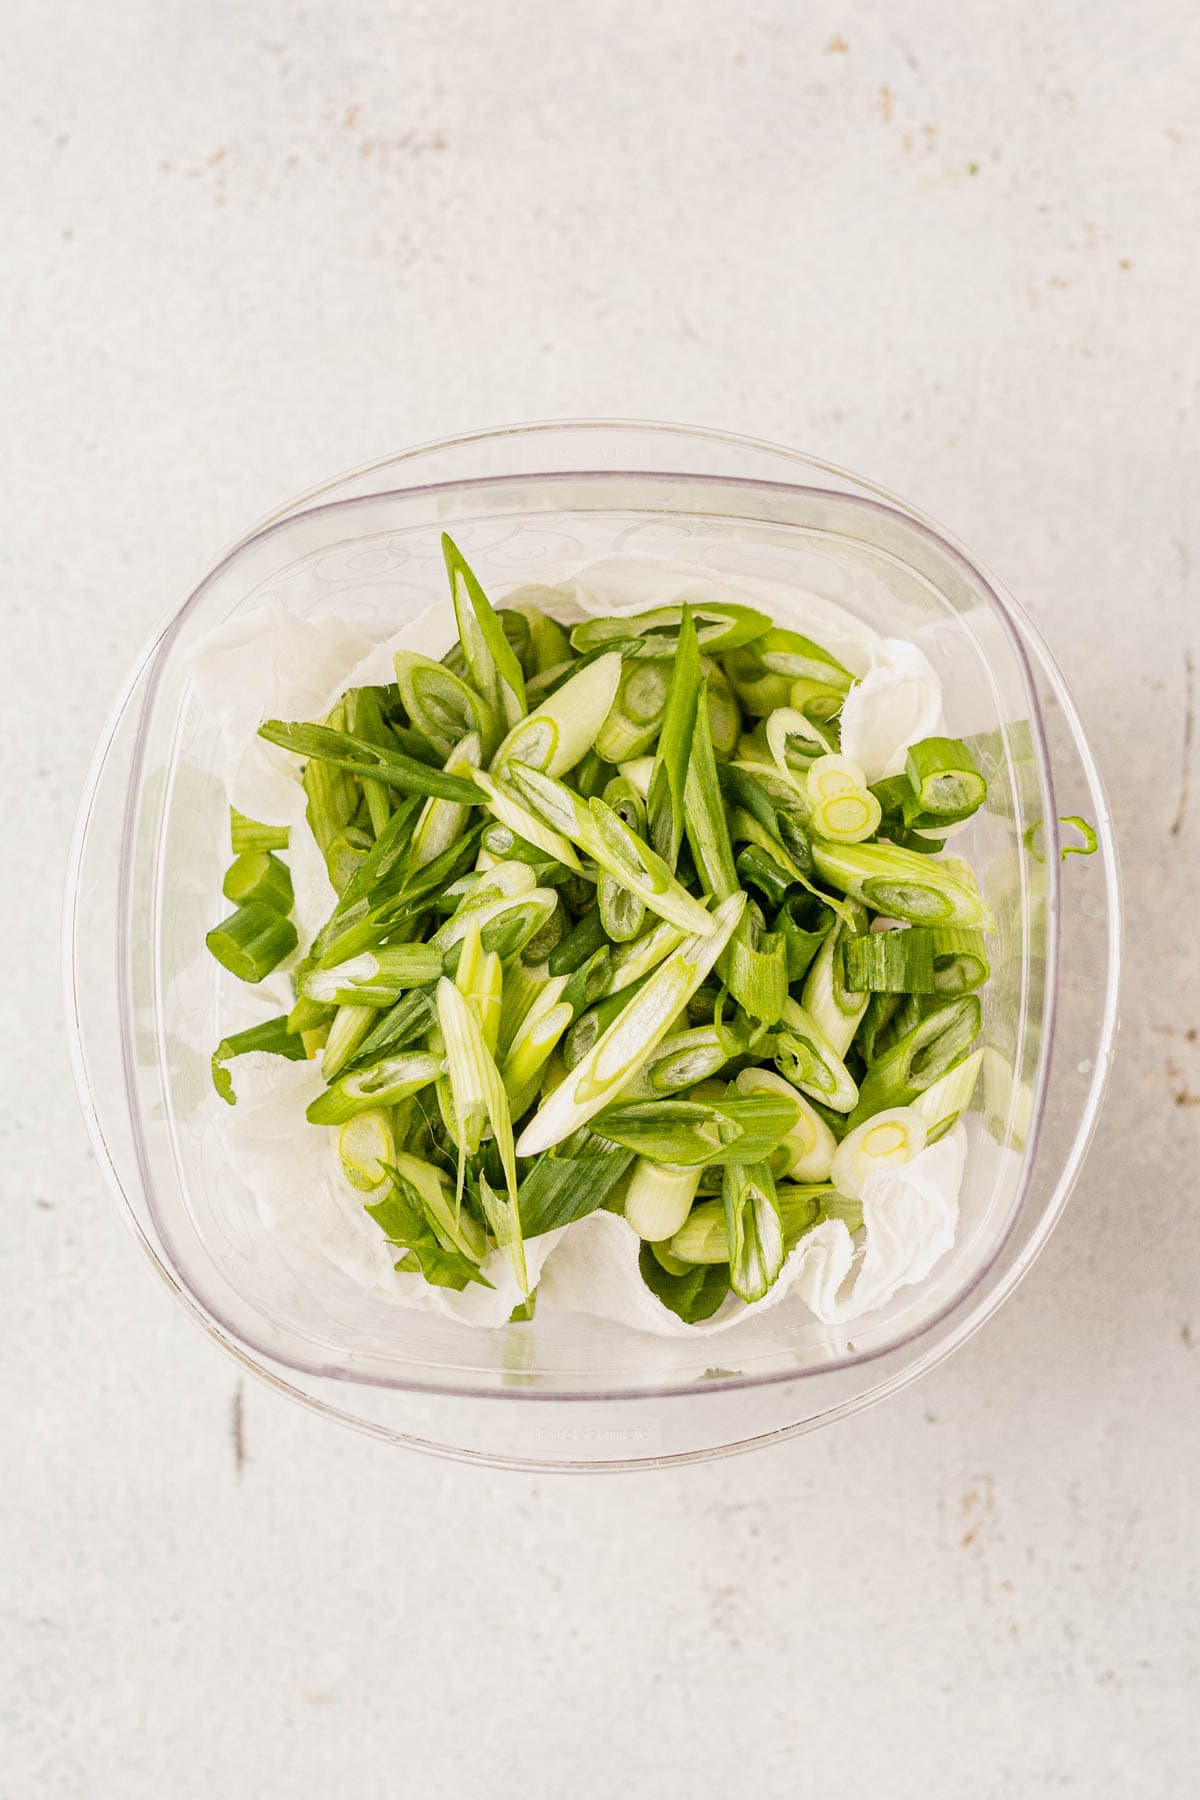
(954, 248)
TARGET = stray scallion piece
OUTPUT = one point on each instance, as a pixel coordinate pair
(621, 924)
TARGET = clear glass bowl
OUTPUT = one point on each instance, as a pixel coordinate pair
(568, 1391)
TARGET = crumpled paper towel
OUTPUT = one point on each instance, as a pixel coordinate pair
(909, 1219)
(269, 663)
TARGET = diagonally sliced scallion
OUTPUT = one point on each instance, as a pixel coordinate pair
(886, 1140)
(561, 730)
(942, 1104)
(620, 1052)
(900, 884)
(610, 843)
(754, 1228)
(494, 667)
(480, 1103)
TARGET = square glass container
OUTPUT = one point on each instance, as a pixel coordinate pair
(529, 505)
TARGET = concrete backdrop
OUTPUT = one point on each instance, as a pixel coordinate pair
(952, 247)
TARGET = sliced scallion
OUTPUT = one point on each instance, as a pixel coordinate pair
(252, 941)
(355, 756)
(382, 1084)
(258, 877)
(895, 962)
(943, 1103)
(922, 1056)
(610, 843)
(946, 782)
(659, 1198)
(247, 834)
(563, 728)
(754, 1228)
(900, 884)
(884, 1141)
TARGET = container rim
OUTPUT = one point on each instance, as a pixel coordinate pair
(1023, 641)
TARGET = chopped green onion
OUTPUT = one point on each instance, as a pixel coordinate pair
(847, 818)
(754, 1228)
(340, 750)
(900, 884)
(396, 1030)
(884, 1141)
(347, 1032)
(442, 821)
(404, 1221)
(247, 834)
(623, 913)
(375, 977)
(704, 814)
(685, 1058)
(549, 642)
(695, 1133)
(273, 1037)
(704, 1235)
(659, 1198)
(636, 717)
(828, 777)
(366, 1146)
(611, 844)
(631, 961)
(527, 824)
(452, 1224)
(755, 968)
(480, 1102)
(580, 943)
(804, 921)
(563, 728)
(805, 1057)
(1090, 844)
(252, 941)
(668, 778)
(259, 877)
(806, 1153)
(756, 869)
(444, 708)
(365, 717)
(494, 668)
(380, 1085)
(872, 1033)
(573, 1180)
(479, 979)
(943, 1104)
(946, 782)
(827, 996)
(537, 948)
(960, 962)
(719, 626)
(724, 714)
(590, 1025)
(535, 1037)
(620, 1052)
(895, 962)
(795, 744)
(590, 981)
(921, 1057)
